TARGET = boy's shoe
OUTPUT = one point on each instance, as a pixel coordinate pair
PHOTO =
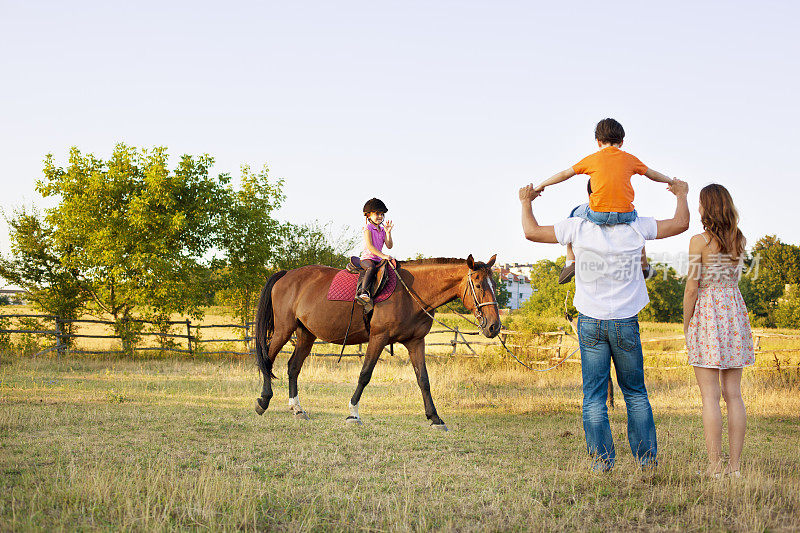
(567, 273)
(363, 298)
(648, 272)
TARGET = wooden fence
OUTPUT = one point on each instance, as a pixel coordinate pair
(193, 340)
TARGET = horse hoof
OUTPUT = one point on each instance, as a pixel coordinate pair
(300, 415)
(353, 421)
(259, 410)
(439, 427)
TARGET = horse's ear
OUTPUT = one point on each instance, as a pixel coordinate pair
(490, 264)
(471, 262)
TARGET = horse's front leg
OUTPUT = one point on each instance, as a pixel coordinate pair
(374, 349)
(305, 342)
(416, 351)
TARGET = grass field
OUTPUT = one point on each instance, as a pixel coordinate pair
(175, 444)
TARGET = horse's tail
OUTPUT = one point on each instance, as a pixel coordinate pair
(265, 325)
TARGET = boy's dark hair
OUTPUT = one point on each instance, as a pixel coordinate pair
(609, 131)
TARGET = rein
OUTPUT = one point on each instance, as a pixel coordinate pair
(480, 316)
(478, 313)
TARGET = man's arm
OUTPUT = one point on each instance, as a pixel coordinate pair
(564, 175)
(680, 221)
(657, 176)
(532, 230)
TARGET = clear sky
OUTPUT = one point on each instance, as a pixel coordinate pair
(442, 109)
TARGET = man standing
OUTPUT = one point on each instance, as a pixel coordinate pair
(609, 293)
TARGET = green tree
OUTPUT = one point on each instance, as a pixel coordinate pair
(501, 292)
(251, 240)
(787, 311)
(314, 244)
(137, 232)
(773, 266)
(666, 296)
(548, 296)
(38, 264)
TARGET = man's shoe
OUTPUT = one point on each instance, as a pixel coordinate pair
(567, 273)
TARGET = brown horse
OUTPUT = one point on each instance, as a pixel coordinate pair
(296, 301)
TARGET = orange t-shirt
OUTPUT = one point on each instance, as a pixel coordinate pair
(610, 171)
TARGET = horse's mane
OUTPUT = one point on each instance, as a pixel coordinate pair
(435, 261)
(441, 261)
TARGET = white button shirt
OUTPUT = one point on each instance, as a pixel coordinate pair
(608, 276)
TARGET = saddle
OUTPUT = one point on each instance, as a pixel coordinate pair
(381, 278)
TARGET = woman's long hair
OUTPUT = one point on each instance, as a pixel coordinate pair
(721, 219)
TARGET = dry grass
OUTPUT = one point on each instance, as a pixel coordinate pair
(174, 444)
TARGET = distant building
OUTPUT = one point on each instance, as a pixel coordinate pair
(516, 278)
(14, 296)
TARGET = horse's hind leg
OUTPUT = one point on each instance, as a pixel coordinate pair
(280, 336)
(305, 341)
(416, 351)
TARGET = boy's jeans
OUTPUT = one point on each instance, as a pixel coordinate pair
(601, 341)
(601, 217)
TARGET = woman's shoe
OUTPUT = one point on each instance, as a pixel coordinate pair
(706, 473)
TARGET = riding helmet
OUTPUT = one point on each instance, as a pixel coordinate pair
(374, 205)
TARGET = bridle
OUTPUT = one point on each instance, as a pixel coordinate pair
(477, 311)
(482, 321)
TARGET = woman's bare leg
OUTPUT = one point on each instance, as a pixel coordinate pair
(708, 381)
(737, 417)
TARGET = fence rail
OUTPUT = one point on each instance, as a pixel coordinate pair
(459, 338)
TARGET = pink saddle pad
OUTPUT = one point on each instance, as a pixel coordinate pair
(343, 286)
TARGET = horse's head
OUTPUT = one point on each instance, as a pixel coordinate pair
(477, 293)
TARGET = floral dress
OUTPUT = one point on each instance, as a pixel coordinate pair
(719, 333)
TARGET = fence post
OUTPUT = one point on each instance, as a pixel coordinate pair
(189, 336)
(246, 336)
(455, 341)
(558, 348)
(59, 337)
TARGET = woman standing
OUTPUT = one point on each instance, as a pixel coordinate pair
(718, 337)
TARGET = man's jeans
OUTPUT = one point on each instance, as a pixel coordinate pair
(601, 341)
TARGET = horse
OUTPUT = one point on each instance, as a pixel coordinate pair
(296, 301)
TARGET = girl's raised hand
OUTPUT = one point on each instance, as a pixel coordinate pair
(388, 226)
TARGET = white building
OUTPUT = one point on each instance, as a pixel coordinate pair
(516, 278)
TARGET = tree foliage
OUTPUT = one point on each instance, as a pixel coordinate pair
(39, 265)
(548, 296)
(666, 296)
(136, 232)
(250, 238)
(314, 244)
(772, 267)
(501, 291)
